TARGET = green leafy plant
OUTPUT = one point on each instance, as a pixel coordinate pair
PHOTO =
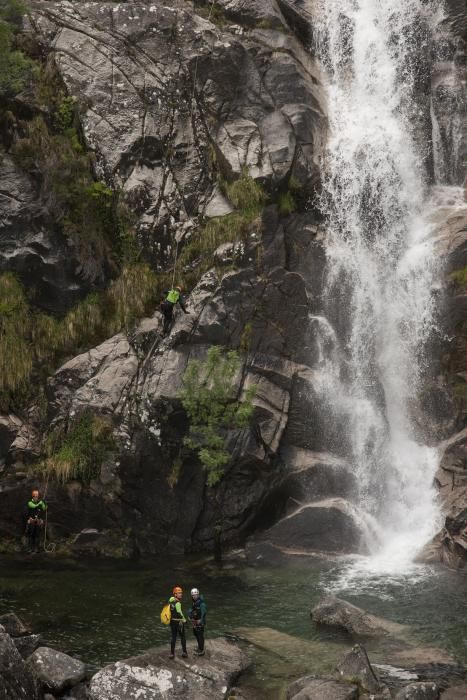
(15, 67)
(80, 452)
(209, 396)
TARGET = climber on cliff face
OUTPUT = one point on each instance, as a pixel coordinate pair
(35, 512)
(172, 297)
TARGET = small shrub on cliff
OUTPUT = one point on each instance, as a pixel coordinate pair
(15, 67)
(209, 396)
(79, 453)
(16, 355)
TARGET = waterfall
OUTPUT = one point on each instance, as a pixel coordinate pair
(381, 265)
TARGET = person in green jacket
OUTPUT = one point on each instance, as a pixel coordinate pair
(36, 509)
(177, 622)
(173, 297)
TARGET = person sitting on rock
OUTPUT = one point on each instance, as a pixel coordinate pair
(172, 297)
(197, 615)
(36, 509)
(177, 622)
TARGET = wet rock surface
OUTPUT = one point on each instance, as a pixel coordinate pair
(153, 675)
(335, 612)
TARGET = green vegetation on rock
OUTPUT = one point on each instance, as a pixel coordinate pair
(79, 453)
(248, 198)
(210, 397)
(15, 67)
(31, 343)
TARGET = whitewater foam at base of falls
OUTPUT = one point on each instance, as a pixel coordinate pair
(381, 266)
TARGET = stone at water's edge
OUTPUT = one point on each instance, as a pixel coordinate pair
(28, 644)
(152, 676)
(55, 670)
(356, 665)
(336, 612)
(13, 625)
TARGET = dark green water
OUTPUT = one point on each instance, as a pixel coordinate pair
(101, 612)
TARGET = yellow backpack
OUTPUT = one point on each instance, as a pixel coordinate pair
(166, 614)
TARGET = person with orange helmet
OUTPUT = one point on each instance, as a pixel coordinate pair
(177, 622)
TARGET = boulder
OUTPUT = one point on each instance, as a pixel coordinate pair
(356, 665)
(419, 691)
(335, 612)
(332, 525)
(55, 670)
(13, 625)
(28, 644)
(17, 681)
(152, 675)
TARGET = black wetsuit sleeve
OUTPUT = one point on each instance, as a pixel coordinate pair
(181, 301)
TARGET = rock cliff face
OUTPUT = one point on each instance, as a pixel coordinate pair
(174, 99)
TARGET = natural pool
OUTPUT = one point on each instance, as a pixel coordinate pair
(102, 611)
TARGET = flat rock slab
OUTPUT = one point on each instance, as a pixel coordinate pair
(152, 676)
(419, 691)
(55, 670)
(336, 612)
(322, 689)
(458, 692)
(303, 655)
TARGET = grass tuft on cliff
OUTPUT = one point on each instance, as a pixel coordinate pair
(249, 198)
(32, 343)
(79, 453)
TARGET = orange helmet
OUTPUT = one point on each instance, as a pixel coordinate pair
(177, 589)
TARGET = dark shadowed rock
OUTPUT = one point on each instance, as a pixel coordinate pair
(17, 682)
(55, 670)
(419, 691)
(335, 612)
(330, 525)
(28, 644)
(152, 675)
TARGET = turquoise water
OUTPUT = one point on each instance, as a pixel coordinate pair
(102, 611)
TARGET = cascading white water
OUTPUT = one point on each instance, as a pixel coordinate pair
(381, 264)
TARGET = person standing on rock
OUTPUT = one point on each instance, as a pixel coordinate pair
(197, 615)
(35, 513)
(177, 622)
(172, 297)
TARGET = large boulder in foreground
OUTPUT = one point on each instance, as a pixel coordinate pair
(336, 612)
(332, 525)
(356, 667)
(17, 681)
(55, 670)
(419, 691)
(152, 676)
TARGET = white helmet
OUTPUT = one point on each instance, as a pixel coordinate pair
(194, 591)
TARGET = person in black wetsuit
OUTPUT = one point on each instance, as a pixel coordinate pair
(197, 615)
(35, 514)
(177, 622)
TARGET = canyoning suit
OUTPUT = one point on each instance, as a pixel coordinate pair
(35, 523)
(197, 615)
(177, 624)
(172, 297)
